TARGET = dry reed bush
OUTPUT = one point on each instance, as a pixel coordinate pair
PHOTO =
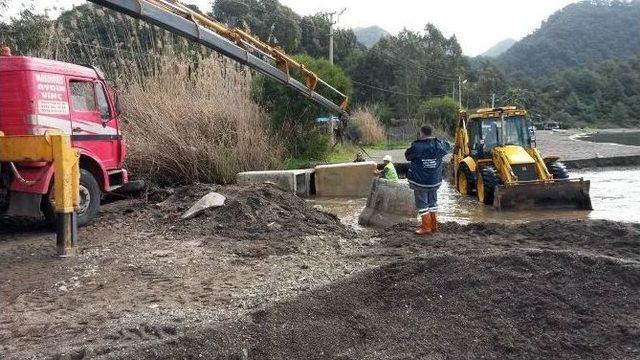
(189, 115)
(187, 125)
(365, 127)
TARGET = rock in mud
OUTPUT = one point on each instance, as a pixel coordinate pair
(211, 200)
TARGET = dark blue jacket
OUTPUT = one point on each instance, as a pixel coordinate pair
(425, 157)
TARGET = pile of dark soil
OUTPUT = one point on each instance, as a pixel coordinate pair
(254, 222)
(616, 239)
(256, 212)
(475, 304)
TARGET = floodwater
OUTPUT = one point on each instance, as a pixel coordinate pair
(615, 195)
(623, 137)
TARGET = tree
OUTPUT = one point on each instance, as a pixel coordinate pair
(522, 98)
(26, 34)
(267, 19)
(441, 113)
(293, 115)
(399, 70)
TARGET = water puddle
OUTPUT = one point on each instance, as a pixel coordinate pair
(615, 195)
(621, 137)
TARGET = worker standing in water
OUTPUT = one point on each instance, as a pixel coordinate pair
(388, 172)
(425, 176)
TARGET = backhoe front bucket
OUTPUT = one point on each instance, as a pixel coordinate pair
(563, 194)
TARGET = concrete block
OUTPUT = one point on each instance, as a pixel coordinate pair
(389, 203)
(294, 181)
(344, 180)
(212, 199)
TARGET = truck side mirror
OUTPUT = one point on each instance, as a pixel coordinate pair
(117, 103)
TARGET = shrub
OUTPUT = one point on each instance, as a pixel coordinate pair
(441, 113)
(365, 127)
(188, 114)
(294, 116)
(187, 125)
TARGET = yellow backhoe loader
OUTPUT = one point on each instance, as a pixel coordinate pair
(496, 159)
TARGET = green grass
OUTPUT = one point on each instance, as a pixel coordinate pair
(296, 163)
(393, 145)
(342, 153)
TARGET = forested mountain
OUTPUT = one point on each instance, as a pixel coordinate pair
(579, 34)
(499, 48)
(399, 75)
(606, 94)
(369, 36)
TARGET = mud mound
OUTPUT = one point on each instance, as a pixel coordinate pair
(511, 304)
(594, 236)
(255, 221)
(263, 212)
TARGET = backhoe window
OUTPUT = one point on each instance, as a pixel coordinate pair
(486, 134)
(516, 131)
(490, 131)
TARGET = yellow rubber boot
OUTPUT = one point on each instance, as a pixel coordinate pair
(434, 221)
(426, 226)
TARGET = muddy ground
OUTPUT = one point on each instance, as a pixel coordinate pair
(269, 277)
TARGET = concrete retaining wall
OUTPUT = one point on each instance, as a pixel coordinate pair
(633, 160)
(388, 204)
(344, 180)
(298, 182)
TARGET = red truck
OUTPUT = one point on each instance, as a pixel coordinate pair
(37, 95)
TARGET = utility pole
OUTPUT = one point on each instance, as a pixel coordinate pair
(460, 83)
(331, 41)
(460, 90)
(332, 22)
(493, 100)
(406, 89)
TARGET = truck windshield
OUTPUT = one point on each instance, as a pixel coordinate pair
(486, 134)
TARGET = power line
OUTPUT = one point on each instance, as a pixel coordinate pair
(429, 72)
(397, 92)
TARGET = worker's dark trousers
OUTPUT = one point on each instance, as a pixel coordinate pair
(426, 199)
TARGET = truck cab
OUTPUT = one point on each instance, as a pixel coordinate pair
(39, 95)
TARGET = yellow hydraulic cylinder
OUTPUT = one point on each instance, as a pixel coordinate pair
(55, 148)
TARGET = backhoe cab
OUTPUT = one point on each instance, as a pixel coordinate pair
(496, 159)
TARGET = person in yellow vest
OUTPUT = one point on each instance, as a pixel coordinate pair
(388, 172)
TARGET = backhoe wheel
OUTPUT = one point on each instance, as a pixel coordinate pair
(486, 186)
(466, 182)
(558, 170)
(90, 196)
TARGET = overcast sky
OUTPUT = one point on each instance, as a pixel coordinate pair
(477, 24)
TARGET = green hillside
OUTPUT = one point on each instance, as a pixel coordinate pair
(584, 32)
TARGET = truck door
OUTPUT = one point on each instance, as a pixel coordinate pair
(93, 128)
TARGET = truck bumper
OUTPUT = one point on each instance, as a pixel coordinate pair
(22, 204)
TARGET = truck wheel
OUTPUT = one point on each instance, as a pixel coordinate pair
(90, 195)
(487, 182)
(558, 170)
(466, 182)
